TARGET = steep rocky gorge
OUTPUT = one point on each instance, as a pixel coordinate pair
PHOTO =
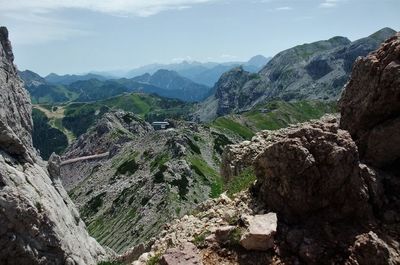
(333, 184)
(39, 224)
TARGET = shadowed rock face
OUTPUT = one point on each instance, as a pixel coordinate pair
(38, 222)
(370, 105)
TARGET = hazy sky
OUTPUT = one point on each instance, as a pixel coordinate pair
(76, 36)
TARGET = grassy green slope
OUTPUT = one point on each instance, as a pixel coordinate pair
(51, 94)
(80, 116)
(272, 116)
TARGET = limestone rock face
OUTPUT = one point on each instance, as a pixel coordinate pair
(38, 222)
(312, 169)
(370, 105)
(15, 117)
(260, 232)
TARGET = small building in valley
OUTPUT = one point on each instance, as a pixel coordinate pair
(160, 125)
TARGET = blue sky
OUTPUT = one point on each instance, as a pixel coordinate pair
(77, 36)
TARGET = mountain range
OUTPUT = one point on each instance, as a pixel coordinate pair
(203, 73)
(317, 70)
(163, 83)
(187, 81)
(69, 79)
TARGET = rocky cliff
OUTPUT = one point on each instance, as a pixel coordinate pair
(317, 70)
(38, 222)
(323, 195)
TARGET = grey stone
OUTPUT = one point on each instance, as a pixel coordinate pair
(260, 232)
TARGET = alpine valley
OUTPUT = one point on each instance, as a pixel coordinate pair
(292, 159)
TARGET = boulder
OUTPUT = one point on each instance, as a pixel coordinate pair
(54, 166)
(370, 105)
(260, 232)
(187, 254)
(312, 169)
(370, 249)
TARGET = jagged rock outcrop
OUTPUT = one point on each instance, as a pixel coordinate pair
(38, 222)
(303, 170)
(311, 170)
(370, 105)
(320, 178)
(15, 118)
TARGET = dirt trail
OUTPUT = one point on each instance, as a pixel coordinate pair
(57, 114)
(55, 118)
(83, 158)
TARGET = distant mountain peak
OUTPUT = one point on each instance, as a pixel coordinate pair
(383, 33)
(258, 60)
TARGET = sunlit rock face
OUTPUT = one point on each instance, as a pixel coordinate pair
(38, 222)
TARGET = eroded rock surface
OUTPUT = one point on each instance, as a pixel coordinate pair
(38, 222)
(312, 169)
(370, 105)
(370, 249)
(15, 114)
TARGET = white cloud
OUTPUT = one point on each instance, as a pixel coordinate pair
(38, 21)
(34, 28)
(283, 8)
(329, 3)
(141, 8)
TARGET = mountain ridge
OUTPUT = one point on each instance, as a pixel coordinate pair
(316, 70)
